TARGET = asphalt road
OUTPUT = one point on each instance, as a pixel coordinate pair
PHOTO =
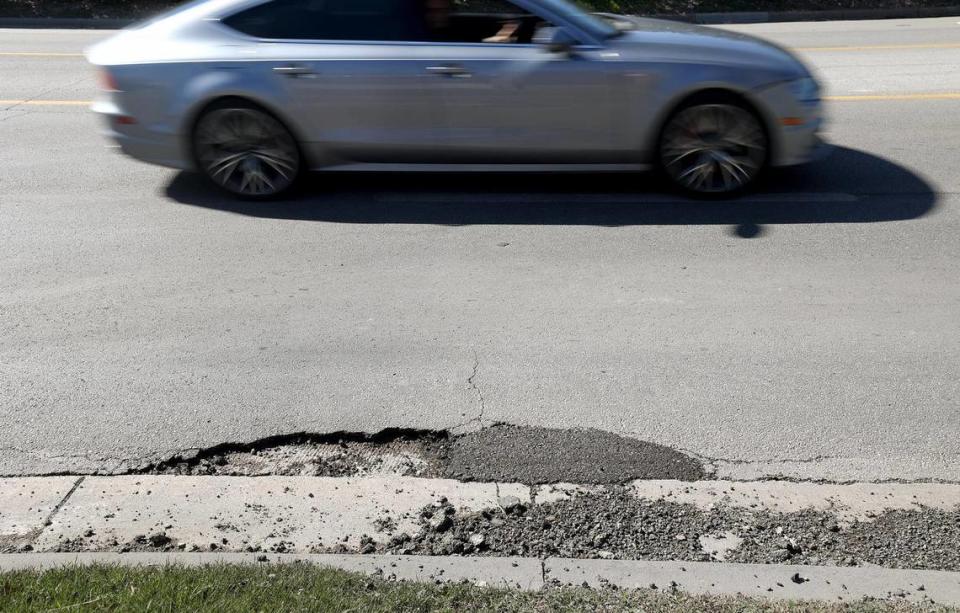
(811, 330)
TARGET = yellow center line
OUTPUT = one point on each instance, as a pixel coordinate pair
(884, 47)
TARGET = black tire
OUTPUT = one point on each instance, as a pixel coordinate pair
(245, 150)
(713, 146)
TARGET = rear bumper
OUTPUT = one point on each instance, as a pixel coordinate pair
(141, 142)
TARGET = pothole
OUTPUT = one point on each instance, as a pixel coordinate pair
(406, 453)
(499, 453)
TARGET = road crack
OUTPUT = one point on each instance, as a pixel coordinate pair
(471, 381)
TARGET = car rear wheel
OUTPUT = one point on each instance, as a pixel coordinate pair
(246, 151)
(713, 148)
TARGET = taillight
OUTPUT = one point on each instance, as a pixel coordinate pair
(108, 82)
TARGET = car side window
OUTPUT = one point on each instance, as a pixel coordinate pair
(467, 21)
(361, 20)
(486, 21)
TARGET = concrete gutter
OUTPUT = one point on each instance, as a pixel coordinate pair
(83, 23)
(303, 514)
(307, 514)
(702, 578)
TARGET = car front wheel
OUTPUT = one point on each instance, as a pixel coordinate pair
(246, 151)
(713, 148)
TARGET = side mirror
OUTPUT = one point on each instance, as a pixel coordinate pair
(554, 40)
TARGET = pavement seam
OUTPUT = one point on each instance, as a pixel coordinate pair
(48, 521)
(63, 501)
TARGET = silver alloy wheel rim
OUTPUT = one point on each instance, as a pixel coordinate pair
(246, 151)
(713, 148)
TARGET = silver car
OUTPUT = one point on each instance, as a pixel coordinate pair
(252, 93)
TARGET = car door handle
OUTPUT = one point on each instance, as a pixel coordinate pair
(295, 71)
(453, 71)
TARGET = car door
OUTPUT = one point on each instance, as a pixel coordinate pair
(358, 86)
(520, 103)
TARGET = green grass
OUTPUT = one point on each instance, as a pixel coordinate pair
(302, 587)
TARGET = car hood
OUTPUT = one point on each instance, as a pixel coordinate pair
(675, 41)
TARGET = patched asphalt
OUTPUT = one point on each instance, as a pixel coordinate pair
(547, 455)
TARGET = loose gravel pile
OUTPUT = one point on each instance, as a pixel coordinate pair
(609, 524)
(613, 524)
(928, 538)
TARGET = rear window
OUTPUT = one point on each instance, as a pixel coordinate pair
(373, 20)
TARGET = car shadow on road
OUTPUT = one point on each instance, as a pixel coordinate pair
(849, 186)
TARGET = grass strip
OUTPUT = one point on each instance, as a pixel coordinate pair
(305, 587)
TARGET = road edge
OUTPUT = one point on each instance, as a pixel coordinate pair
(826, 15)
(736, 17)
(768, 581)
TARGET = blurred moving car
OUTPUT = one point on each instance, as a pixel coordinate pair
(252, 93)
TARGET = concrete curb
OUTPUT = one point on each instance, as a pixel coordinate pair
(702, 18)
(704, 578)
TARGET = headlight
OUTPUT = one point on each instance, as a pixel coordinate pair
(805, 90)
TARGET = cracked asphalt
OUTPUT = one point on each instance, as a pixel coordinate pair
(809, 330)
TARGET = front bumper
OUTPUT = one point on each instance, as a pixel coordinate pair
(799, 146)
(794, 124)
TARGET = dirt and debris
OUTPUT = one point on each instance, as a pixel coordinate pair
(17, 543)
(925, 538)
(613, 524)
(584, 526)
